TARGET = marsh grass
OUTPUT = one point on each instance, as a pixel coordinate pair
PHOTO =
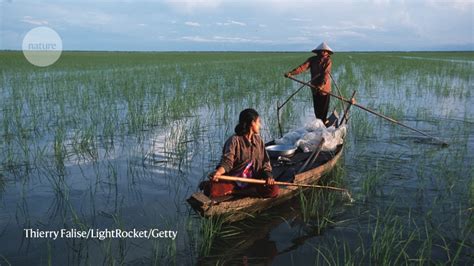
(391, 240)
(240, 241)
(471, 193)
(163, 252)
(361, 126)
(388, 242)
(5, 260)
(318, 206)
(84, 126)
(49, 252)
(372, 180)
(210, 229)
(3, 184)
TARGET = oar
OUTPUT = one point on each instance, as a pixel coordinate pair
(373, 112)
(287, 100)
(346, 116)
(338, 90)
(294, 93)
(263, 182)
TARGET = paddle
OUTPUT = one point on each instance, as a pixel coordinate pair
(443, 143)
(263, 182)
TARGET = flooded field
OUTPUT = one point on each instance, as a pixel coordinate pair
(107, 140)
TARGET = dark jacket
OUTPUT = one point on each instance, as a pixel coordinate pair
(238, 152)
(319, 66)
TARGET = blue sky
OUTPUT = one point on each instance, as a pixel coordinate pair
(258, 25)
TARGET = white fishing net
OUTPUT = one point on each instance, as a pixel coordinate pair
(308, 137)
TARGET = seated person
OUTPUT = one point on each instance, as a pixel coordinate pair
(244, 155)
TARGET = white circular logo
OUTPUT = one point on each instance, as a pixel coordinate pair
(42, 46)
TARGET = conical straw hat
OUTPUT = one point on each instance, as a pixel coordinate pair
(321, 47)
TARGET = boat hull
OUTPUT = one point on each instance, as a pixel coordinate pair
(238, 209)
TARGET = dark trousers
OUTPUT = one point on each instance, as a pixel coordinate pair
(321, 105)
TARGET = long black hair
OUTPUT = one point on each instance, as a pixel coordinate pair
(246, 118)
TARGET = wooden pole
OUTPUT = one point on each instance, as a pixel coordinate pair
(278, 119)
(346, 116)
(373, 112)
(313, 156)
(338, 90)
(263, 182)
(287, 100)
(294, 93)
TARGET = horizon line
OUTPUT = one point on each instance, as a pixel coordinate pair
(248, 51)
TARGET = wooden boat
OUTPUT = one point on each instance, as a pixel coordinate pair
(239, 208)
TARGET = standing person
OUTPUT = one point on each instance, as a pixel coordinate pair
(244, 155)
(320, 66)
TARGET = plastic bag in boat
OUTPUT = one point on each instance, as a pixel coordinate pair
(290, 138)
(309, 137)
(316, 124)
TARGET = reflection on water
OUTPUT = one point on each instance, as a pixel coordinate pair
(127, 151)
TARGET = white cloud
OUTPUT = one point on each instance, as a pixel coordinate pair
(349, 33)
(237, 23)
(63, 15)
(191, 6)
(463, 5)
(31, 20)
(299, 40)
(380, 2)
(350, 25)
(224, 39)
(301, 19)
(398, 24)
(231, 22)
(90, 18)
(192, 24)
(195, 39)
(334, 35)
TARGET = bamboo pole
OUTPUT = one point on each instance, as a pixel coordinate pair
(263, 182)
(338, 90)
(294, 93)
(346, 116)
(313, 156)
(286, 101)
(373, 112)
